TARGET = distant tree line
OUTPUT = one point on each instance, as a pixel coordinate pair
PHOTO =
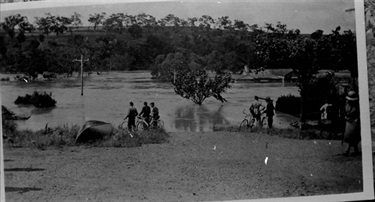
(133, 42)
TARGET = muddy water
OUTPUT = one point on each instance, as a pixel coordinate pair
(106, 97)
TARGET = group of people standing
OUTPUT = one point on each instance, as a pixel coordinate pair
(148, 114)
(348, 112)
(257, 108)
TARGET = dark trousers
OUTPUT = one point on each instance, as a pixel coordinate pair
(131, 124)
(270, 121)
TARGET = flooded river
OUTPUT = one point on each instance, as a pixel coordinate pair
(106, 97)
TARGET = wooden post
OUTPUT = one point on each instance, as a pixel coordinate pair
(81, 61)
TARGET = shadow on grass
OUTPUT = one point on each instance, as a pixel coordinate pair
(21, 190)
(23, 169)
(8, 160)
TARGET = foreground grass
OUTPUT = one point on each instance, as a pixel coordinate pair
(65, 135)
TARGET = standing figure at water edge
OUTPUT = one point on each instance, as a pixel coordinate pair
(132, 114)
(352, 134)
(154, 113)
(145, 113)
(269, 111)
(255, 109)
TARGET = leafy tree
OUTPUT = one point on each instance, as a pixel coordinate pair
(60, 25)
(171, 20)
(56, 24)
(135, 31)
(3, 47)
(120, 61)
(206, 21)
(21, 38)
(165, 66)
(221, 61)
(44, 24)
(14, 22)
(97, 19)
(158, 45)
(282, 48)
(76, 20)
(146, 20)
(184, 23)
(115, 23)
(224, 22)
(191, 21)
(240, 25)
(197, 86)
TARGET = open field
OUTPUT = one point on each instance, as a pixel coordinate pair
(190, 167)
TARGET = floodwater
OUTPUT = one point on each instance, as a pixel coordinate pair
(106, 98)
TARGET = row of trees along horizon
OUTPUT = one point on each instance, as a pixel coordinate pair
(140, 42)
(172, 47)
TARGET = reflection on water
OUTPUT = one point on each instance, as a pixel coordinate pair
(199, 118)
(106, 98)
(37, 111)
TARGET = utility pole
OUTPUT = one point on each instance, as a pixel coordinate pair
(81, 61)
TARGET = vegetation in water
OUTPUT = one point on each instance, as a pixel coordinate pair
(37, 99)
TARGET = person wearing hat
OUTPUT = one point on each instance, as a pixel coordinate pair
(352, 134)
(269, 111)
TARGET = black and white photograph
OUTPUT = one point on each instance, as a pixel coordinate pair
(187, 100)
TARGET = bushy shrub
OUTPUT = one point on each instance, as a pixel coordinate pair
(9, 127)
(289, 104)
(37, 99)
(59, 136)
(320, 90)
(65, 135)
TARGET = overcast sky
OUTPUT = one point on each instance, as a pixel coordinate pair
(305, 15)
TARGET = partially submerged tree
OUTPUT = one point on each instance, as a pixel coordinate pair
(197, 85)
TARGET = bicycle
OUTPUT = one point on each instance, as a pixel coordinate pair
(249, 121)
(157, 123)
(142, 124)
(130, 132)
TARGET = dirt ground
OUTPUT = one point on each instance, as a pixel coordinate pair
(191, 167)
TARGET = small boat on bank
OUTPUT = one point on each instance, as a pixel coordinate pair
(93, 130)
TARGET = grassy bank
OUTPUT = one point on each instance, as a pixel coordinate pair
(292, 133)
(65, 135)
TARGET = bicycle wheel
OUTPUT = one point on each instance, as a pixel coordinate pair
(160, 124)
(141, 126)
(252, 123)
(264, 121)
(244, 125)
(123, 125)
